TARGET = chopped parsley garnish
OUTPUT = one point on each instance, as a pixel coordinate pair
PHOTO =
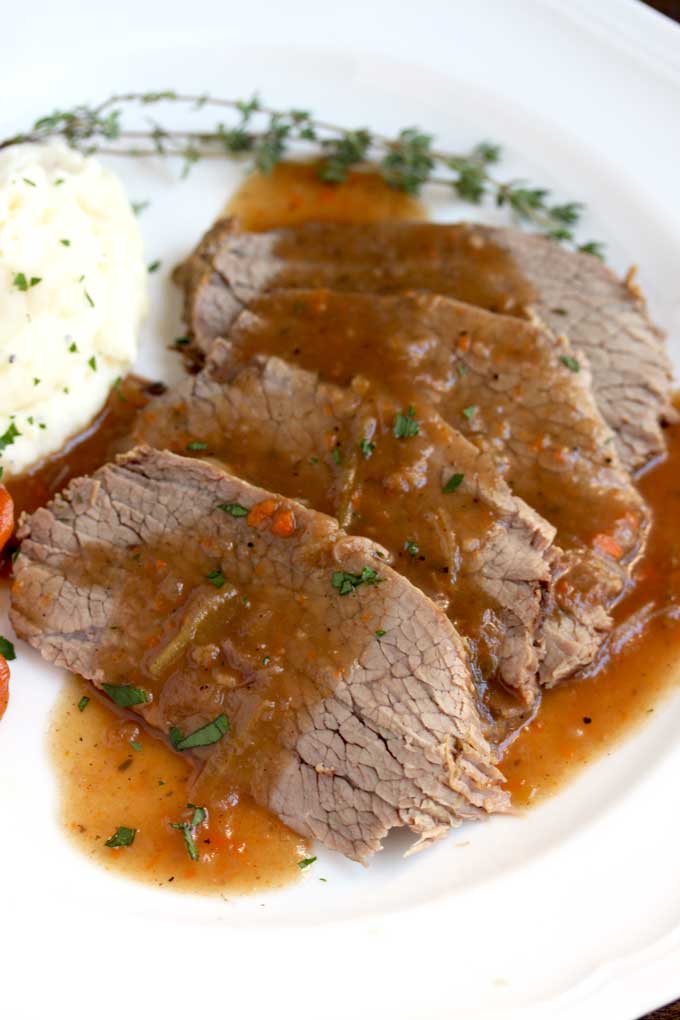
(346, 583)
(153, 266)
(27, 180)
(181, 341)
(7, 649)
(123, 836)
(92, 362)
(83, 703)
(211, 733)
(266, 660)
(572, 364)
(125, 695)
(461, 367)
(2, 471)
(313, 460)
(411, 548)
(216, 578)
(453, 483)
(36, 381)
(135, 745)
(367, 448)
(188, 829)
(559, 311)
(65, 241)
(8, 436)
(380, 632)
(21, 283)
(469, 412)
(306, 863)
(59, 180)
(88, 298)
(139, 207)
(405, 425)
(73, 349)
(335, 454)
(197, 444)
(235, 509)
(116, 386)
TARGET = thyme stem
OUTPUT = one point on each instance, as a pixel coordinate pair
(407, 162)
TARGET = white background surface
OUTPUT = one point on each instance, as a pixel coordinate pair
(573, 911)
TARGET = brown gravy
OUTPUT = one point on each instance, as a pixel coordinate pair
(584, 717)
(106, 782)
(87, 450)
(249, 849)
(294, 193)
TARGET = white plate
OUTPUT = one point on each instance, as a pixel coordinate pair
(573, 911)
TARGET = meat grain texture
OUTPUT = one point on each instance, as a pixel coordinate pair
(479, 552)
(138, 575)
(503, 270)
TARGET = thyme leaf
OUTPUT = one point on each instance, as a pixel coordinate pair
(407, 162)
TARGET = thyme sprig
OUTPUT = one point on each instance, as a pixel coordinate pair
(407, 162)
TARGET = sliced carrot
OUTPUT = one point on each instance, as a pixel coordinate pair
(262, 512)
(4, 685)
(6, 516)
(607, 545)
(283, 524)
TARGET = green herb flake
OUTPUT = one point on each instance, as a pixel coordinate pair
(266, 660)
(154, 266)
(453, 483)
(139, 207)
(59, 181)
(461, 368)
(313, 460)
(116, 386)
(27, 180)
(92, 362)
(36, 381)
(571, 363)
(335, 454)
(123, 836)
(7, 649)
(405, 425)
(188, 829)
(306, 863)
(88, 298)
(197, 444)
(380, 632)
(21, 283)
(470, 412)
(83, 703)
(367, 448)
(8, 436)
(211, 733)
(216, 578)
(125, 695)
(65, 241)
(73, 349)
(235, 509)
(135, 745)
(181, 341)
(346, 583)
(411, 548)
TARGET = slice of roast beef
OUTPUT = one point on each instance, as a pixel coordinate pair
(502, 270)
(395, 473)
(516, 393)
(351, 708)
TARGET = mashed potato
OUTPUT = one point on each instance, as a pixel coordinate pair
(72, 295)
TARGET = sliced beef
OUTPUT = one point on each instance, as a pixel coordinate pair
(512, 390)
(383, 469)
(220, 599)
(502, 270)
